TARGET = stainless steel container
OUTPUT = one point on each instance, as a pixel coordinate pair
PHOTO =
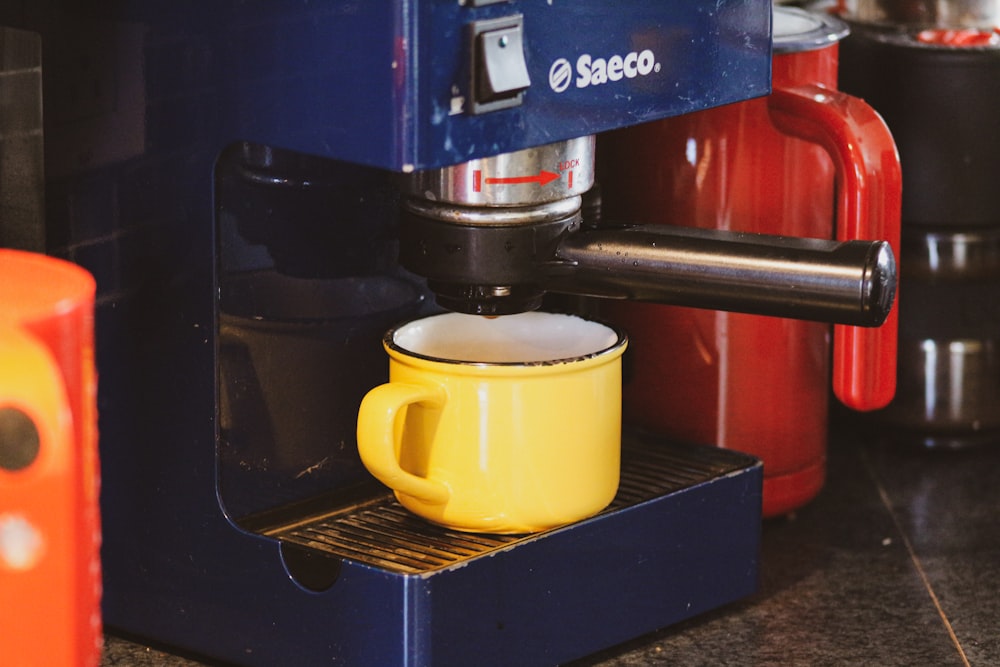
(948, 381)
(932, 70)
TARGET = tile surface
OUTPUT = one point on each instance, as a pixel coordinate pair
(896, 563)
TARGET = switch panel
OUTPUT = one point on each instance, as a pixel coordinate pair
(499, 71)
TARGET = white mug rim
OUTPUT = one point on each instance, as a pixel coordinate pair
(389, 342)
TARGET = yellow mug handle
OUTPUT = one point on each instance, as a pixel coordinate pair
(377, 435)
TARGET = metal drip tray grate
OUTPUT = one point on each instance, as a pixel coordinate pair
(381, 533)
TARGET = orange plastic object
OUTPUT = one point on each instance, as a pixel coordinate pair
(50, 584)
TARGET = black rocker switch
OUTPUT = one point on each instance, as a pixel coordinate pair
(499, 71)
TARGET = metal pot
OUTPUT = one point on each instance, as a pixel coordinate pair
(981, 14)
(940, 100)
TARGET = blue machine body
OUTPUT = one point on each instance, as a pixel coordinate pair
(141, 99)
(386, 84)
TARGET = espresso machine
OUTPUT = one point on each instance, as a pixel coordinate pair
(246, 177)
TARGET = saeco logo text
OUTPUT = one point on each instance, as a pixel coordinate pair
(592, 71)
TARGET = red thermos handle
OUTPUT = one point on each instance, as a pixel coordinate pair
(869, 188)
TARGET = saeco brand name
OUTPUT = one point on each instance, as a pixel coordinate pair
(592, 71)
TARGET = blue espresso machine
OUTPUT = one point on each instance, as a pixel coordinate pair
(191, 147)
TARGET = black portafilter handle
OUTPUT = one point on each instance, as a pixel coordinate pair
(842, 282)
(505, 269)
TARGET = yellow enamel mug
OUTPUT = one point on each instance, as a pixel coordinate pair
(505, 425)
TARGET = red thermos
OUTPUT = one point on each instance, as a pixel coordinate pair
(805, 161)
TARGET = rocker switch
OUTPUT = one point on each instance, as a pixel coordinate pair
(499, 71)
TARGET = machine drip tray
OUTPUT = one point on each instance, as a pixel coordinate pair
(360, 581)
(378, 531)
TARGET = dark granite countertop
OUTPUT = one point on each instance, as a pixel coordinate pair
(896, 563)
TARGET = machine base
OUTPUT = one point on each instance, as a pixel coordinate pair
(371, 584)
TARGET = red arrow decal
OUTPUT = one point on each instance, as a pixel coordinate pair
(543, 178)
